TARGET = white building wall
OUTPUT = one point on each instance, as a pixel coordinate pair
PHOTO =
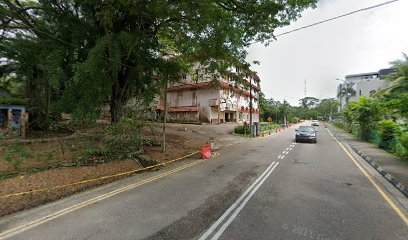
(365, 88)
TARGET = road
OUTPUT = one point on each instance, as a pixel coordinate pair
(269, 188)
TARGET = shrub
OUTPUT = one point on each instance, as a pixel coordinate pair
(338, 124)
(401, 147)
(121, 138)
(295, 120)
(388, 131)
(242, 129)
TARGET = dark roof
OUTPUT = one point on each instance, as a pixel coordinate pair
(386, 71)
(362, 74)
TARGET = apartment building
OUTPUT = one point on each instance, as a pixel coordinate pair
(208, 99)
(362, 84)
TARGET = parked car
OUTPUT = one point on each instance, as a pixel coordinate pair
(306, 134)
(315, 123)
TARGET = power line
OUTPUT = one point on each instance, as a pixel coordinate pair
(334, 18)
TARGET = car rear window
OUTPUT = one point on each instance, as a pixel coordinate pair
(306, 129)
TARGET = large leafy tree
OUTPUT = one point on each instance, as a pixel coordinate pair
(366, 112)
(308, 102)
(82, 53)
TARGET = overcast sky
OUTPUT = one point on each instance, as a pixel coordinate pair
(364, 42)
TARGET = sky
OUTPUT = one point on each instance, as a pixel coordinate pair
(364, 42)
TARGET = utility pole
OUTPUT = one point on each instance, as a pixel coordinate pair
(250, 107)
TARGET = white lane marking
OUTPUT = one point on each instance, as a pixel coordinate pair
(233, 206)
(287, 149)
(286, 152)
(290, 149)
(279, 156)
(11, 232)
(234, 215)
(282, 157)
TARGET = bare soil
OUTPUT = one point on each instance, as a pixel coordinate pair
(182, 139)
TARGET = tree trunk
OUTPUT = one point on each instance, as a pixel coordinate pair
(118, 98)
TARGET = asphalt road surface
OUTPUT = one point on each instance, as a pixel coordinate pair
(269, 188)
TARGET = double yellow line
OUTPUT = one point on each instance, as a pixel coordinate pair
(96, 179)
(27, 226)
(382, 193)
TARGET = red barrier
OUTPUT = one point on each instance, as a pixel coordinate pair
(276, 130)
(206, 152)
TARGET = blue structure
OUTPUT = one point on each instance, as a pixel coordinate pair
(12, 120)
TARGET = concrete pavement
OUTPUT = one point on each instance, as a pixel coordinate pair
(313, 192)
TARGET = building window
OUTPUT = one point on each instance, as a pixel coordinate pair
(359, 92)
(183, 76)
(237, 69)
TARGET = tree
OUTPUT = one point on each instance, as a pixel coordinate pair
(346, 92)
(87, 53)
(327, 107)
(268, 108)
(395, 97)
(366, 112)
(308, 102)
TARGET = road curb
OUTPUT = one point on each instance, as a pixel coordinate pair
(378, 168)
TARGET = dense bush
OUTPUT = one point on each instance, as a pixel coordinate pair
(401, 148)
(388, 131)
(121, 138)
(295, 120)
(242, 129)
(339, 124)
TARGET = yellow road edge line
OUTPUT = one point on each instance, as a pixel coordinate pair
(382, 193)
(32, 224)
(96, 179)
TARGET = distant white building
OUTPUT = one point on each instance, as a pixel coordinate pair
(362, 84)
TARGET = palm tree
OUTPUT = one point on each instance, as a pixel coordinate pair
(346, 91)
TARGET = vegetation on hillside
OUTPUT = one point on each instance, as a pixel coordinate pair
(382, 118)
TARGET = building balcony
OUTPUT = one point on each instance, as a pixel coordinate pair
(228, 107)
(214, 102)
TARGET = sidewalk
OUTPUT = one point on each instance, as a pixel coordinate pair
(391, 164)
